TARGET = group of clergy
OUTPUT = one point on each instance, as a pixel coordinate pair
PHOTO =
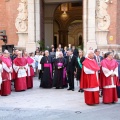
(93, 73)
(100, 76)
(19, 70)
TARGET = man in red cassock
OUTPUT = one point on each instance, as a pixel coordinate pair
(6, 74)
(30, 70)
(20, 67)
(109, 78)
(89, 79)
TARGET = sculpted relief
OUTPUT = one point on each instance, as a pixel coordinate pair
(102, 16)
(21, 21)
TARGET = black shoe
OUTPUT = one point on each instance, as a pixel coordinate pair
(72, 89)
(81, 91)
(69, 89)
(57, 88)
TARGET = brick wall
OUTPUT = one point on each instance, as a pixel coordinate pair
(8, 14)
(112, 10)
(118, 22)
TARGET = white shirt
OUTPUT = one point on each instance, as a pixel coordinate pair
(39, 59)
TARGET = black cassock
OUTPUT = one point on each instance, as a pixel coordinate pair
(46, 79)
(59, 80)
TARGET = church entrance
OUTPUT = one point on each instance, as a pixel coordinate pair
(63, 23)
(68, 24)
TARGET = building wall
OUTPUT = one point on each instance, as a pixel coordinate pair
(8, 14)
(118, 22)
(112, 10)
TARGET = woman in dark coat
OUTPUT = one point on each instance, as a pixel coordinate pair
(79, 61)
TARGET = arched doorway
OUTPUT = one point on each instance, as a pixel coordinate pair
(57, 22)
(68, 23)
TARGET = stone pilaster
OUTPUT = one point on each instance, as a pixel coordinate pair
(31, 45)
(91, 39)
(37, 20)
(85, 24)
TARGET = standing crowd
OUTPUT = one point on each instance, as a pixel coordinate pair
(98, 76)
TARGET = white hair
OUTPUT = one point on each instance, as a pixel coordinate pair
(6, 51)
(20, 52)
(46, 51)
(88, 52)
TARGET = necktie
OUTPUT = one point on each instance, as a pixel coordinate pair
(98, 59)
(69, 58)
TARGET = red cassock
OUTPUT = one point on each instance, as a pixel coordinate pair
(109, 82)
(89, 81)
(6, 76)
(30, 73)
(20, 80)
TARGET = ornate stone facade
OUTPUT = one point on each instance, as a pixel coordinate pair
(21, 21)
(102, 22)
(102, 16)
(24, 22)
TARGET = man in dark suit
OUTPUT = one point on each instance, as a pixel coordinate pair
(71, 60)
(98, 59)
(97, 56)
(75, 51)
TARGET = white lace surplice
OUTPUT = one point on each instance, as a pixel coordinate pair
(108, 73)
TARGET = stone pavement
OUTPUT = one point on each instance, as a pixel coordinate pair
(54, 104)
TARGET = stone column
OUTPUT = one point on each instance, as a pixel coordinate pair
(48, 31)
(63, 37)
(89, 24)
(85, 24)
(31, 45)
(37, 20)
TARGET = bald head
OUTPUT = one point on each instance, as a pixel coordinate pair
(90, 54)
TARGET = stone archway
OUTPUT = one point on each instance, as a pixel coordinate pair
(65, 20)
(88, 22)
(75, 30)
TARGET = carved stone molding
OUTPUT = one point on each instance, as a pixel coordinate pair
(21, 22)
(102, 22)
(75, 28)
(102, 16)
